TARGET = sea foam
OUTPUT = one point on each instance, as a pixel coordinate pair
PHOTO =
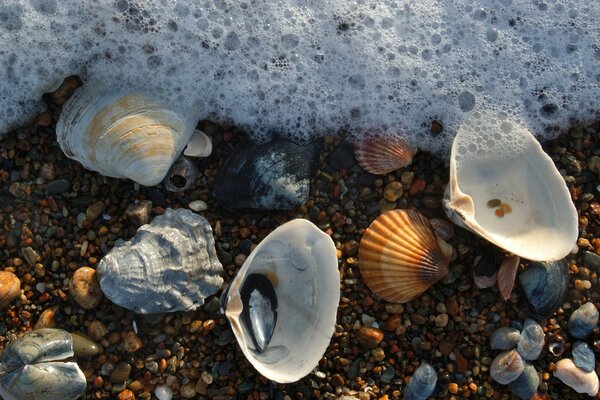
(303, 68)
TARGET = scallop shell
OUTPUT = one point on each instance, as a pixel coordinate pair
(504, 188)
(380, 155)
(422, 384)
(507, 367)
(400, 257)
(576, 378)
(545, 287)
(30, 368)
(122, 135)
(282, 304)
(170, 265)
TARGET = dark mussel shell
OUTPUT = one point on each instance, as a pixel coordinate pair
(526, 384)
(260, 309)
(545, 287)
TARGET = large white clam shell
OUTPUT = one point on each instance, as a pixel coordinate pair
(300, 262)
(122, 135)
(495, 159)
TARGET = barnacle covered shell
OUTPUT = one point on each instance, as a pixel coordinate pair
(170, 265)
(30, 368)
(379, 154)
(498, 176)
(122, 135)
(282, 303)
(399, 256)
(545, 287)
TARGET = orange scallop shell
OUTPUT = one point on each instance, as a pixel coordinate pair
(379, 154)
(399, 256)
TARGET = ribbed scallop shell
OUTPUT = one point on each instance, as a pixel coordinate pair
(122, 135)
(399, 256)
(380, 154)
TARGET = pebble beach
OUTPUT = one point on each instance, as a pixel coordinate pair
(57, 221)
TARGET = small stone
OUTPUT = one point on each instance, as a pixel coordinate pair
(58, 186)
(94, 211)
(461, 363)
(198, 205)
(84, 346)
(163, 392)
(131, 342)
(188, 391)
(370, 337)
(592, 260)
(121, 373)
(136, 386)
(453, 388)
(10, 288)
(126, 395)
(342, 157)
(48, 172)
(393, 191)
(30, 256)
(139, 214)
(85, 288)
(47, 318)
(97, 330)
(206, 378)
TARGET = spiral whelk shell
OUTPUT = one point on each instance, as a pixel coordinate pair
(122, 135)
(400, 257)
(380, 155)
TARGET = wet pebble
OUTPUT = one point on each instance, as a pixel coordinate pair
(29, 255)
(47, 318)
(342, 157)
(48, 171)
(505, 338)
(370, 337)
(10, 288)
(576, 378)
(83, 346)
(58, 186)
(526, 384)
(422, 384)
(139, 214)
(532, 340)
(94, 211)
(97, 330)
(393, 191)
(163, 392)
(592, 260)
(121, 373)
(131, 342)
(85, 288)
(583, 356)
(507, 367)
(197, 205)
(583, 321)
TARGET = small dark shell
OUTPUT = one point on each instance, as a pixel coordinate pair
(422, 384)
(526, 384)
(182, 175)
(583, 321)
(545, 287)
(583, 356)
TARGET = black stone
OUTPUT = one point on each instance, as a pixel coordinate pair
(270, 176)
(58, 186)
(157, 198)
(342, 157)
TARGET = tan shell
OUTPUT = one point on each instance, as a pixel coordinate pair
(507, 274)
(400, 257)
(380, 154)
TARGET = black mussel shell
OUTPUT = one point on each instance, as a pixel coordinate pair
(259, 314)
(545, 287)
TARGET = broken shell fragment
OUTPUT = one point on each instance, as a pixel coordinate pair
(282, 304)
(170, 265)
(496, 159)
(532, 340)
(199, 145)
(30, 368)
(485, 271)
(380, 155)
(576, 378)
(505, 338)
(545, 287)
(400, 256)
(507, 367)
(422, 384)
(583, 320)
(507, 274)
(122, 135)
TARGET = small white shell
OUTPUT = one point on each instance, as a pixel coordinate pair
(506, 189)
(299, 262)
(576, 378)
(122, 135)
(199, 145)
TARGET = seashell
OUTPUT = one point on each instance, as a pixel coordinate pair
(507, 274)
(532, 340)
(485, 272)
(422, 384)
(497, 191)
(583, 356)
(30, 368)
(182, 175)
(199, 145)
(282, 304)
(545, 287)
(170, 265)
(400, 257)
(271, 176)
(576, 378)
(583, 321)
(526, 384)
(505, 338)
(556, 344)
(442, 228)
(507, 367)
(122, 135)
(379, 155)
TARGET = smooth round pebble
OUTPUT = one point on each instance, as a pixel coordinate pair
(532, 340)
(583, 356)
(163, 392)
(131, 342)
(370, 337)
(505, 338)
(583, 321)
(10, 288)
(139, 214)
(85, 288)
(197, 205)
(83, 346)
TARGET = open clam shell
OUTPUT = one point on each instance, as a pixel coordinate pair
(122, 135)
(400, 256)
(282, 304)
(506, 189)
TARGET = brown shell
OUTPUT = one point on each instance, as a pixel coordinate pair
(399, 256)
(379, 154)
(507, 274)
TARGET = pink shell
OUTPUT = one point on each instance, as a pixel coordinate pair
(379, 155)
(507, 274)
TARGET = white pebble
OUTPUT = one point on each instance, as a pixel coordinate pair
(41, 287)
(163, 392)
(198, 205)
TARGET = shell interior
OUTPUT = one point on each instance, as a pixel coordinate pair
(506, 189)
(283, 302)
